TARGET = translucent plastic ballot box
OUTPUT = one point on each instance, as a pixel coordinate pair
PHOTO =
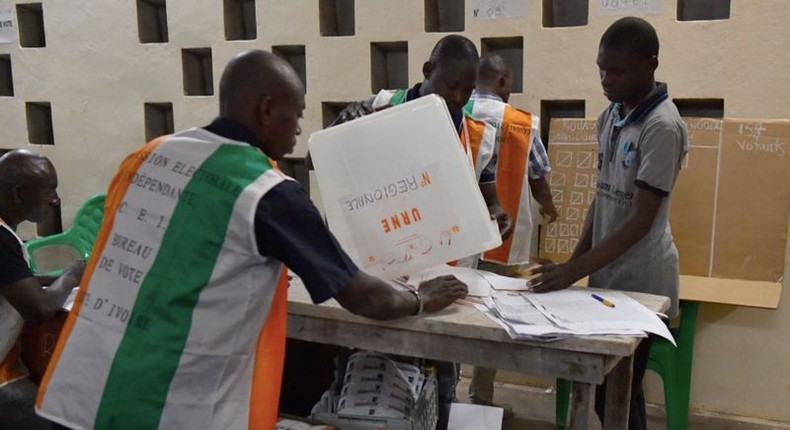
(399, 189)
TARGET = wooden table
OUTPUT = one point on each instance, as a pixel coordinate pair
(462, 334)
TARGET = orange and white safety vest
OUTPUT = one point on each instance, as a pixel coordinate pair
(516, 129)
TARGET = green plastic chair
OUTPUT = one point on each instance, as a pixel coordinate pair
(561, 401)
(672, 364)
(80, 236)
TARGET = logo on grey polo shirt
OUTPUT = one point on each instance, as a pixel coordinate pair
(628, 150)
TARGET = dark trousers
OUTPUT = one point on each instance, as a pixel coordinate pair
(17, 407)
(446, 381)
(309, 371)
(637, 418)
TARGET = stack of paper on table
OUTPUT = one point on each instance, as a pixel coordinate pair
(576, 309)
(550, 316)
(570, 312)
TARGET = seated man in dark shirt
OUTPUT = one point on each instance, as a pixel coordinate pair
(27, 193)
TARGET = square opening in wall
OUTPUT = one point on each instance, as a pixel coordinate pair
(701, 108)
(550, 109)
(703, 10)
(336, 17)
(330, 111)
(198, 72)
(30, 20)
(295, 56)
(6, 77)
(297, 169)
(158, 120)
(39, 123)
(389, 65)
(240, 21)
(565, 13)
(444, 15)
(152, 21)
(511, 49)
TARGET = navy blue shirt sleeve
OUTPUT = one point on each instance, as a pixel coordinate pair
(289, 228)
(13, 266)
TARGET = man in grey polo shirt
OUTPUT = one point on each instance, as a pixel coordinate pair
(626, 242)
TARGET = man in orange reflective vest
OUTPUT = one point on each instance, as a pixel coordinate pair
(522, 160)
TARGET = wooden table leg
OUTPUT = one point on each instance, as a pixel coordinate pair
(582, 407)
(618, 394)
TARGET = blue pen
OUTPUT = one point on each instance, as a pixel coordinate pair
(602, 300)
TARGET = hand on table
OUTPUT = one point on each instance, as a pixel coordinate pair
(553, 277)
(438, 293)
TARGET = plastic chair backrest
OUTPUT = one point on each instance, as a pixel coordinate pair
(86, 224)
(80, 236)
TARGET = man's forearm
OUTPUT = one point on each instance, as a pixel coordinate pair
(59, 291)
(490, 194)
(541, 191)
(373, 298)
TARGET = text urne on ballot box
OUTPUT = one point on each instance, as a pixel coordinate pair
(399, 190)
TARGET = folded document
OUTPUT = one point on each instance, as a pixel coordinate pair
(570, 312)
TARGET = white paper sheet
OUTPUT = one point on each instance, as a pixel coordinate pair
(577, 309)
(629, 7)
(505, 283)
(477, 284)
(464, 416)
(69, 303)
(496, 9)
(519, 317)
(8, 33)
(480, 282)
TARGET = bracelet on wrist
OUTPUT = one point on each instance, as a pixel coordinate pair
(419, 300)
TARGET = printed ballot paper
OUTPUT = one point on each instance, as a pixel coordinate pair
(399, 189)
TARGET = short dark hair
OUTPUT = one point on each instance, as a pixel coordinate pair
(23, 167)
(633, 35)
(492, 66)
(453, 47)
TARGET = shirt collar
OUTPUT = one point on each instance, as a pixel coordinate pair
(232, 130)
(483, 94)
(413, 93)
(659, 94)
